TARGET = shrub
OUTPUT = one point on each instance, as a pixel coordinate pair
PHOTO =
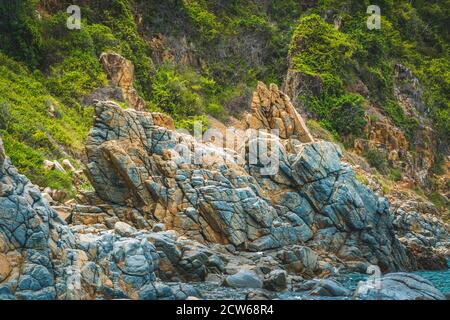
(185, 95)
(78, 75)
(318, 48)
(395, 174)
(376, 160)
(205, 21)
(20, 34)
(347, 115)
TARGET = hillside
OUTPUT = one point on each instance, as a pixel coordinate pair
(89, 116)
(194, 58)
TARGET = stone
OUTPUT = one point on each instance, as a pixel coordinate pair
(260, 295)
(323, 287)
(243, 279)
(158, 227)
(68, 165)
(314, 198)
(48, 198)
(49, 165)
(5, 267)
(398, 286)
(124, 229)
(272, 109)
(58, 166)
(276, 280)
(46, 259)
(120, 72)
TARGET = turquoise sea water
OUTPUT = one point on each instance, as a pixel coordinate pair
(440, 279)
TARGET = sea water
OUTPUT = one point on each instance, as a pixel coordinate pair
(440, 279)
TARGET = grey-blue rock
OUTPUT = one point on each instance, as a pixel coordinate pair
(244, 279)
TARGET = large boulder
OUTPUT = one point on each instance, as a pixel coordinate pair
(43, 258)
(323, 287)
(276, 280)
(29, 229)
(272, 109)
(244, 279)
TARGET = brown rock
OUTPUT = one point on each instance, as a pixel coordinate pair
(5, 267)
(120, 72)
(272, 109)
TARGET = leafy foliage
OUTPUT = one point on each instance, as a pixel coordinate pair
(30, 132)
(185, 95)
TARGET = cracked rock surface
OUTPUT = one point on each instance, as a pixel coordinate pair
(42, 258)
(169, 211)
(314, 198)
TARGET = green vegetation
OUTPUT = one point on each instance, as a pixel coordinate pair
(322, 53)
(186, 95)
(411, 33)
(29, 132)
(376, 160)
(395, 174)
(205, 21)
(219, 50)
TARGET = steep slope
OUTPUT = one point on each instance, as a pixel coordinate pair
(195, 57)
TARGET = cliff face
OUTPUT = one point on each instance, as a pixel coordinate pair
(312, 197)
(266, 194)
(308, 217)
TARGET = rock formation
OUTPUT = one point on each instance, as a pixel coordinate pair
(147, 174)
(120, 72)
(381, 134)
(159, 216)
(42, 258)
(420, 228)
(272, 109)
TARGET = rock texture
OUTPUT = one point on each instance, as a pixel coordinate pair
(27, 228)
(169, 209)
(272, 109)
(383, 136)
(398, 286)
(120, 72)
(43, 258)
(323, 287)
(419, 227)
(137, 169)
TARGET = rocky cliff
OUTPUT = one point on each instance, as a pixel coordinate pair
(43, 258)
(149, 174)
(169, 207)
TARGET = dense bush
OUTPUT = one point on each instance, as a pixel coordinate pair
(30, 132)
(317, 48)
(185, 95)
(376, 160)
(20, 34)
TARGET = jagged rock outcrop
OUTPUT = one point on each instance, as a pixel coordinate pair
(420, 228)
(42, 258)
(313, 198)
(398, 286)
(120, 73)
(383, 136)
(272, 109)
(28, 228)
(413, 155)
